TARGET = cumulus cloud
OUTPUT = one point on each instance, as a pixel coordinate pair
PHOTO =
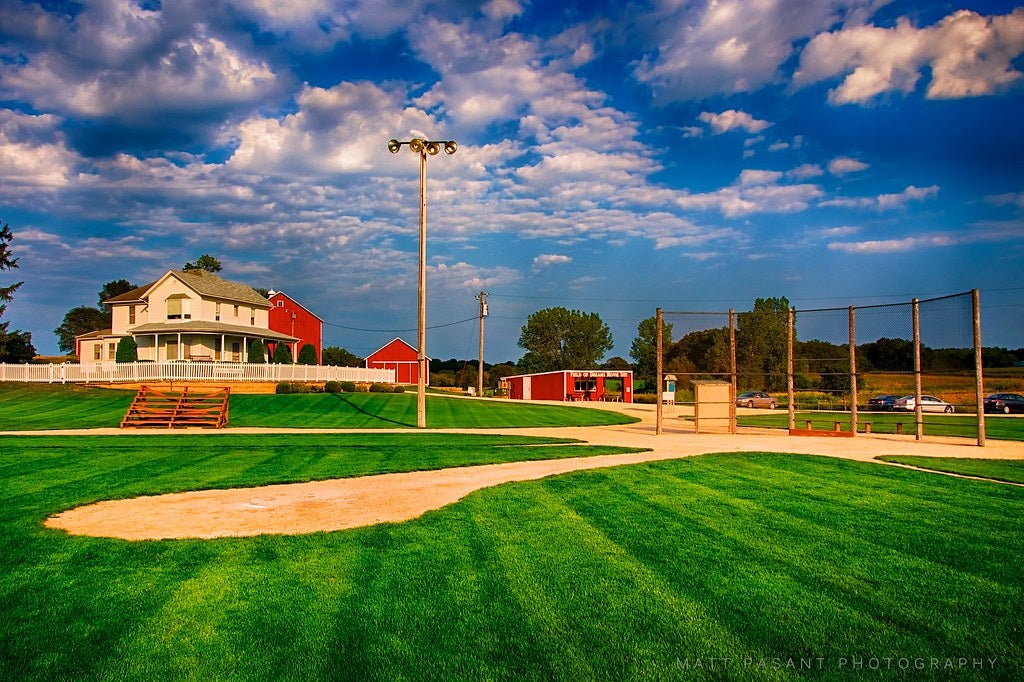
(841, 165)
(32, 154)
(754, 191)
(704, 48)
(549, 259)
(884, 202)
(967, 55)
(733, 120)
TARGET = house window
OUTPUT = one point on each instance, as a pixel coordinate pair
(131, 314)
(216, 315)
(111, 351)
(280, 304)
(179, 308)
(252, 317)
(97, 351)
(236, 311)
(172, 349)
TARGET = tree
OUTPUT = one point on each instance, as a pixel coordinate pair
(84, 319)
(205, 262)
(556, 338)
(644, 350)
(77, 321)
(127, 350)
(762, 344)
(339, 357)
(616, 363)
(15, 346)
(282, 354)
(307, 355)
(115, 288)
(256, 352)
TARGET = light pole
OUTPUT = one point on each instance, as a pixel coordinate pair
(422, 147)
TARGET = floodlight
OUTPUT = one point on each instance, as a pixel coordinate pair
(450, 147)
(394, 146)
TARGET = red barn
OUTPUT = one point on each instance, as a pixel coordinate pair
(572, 384)
(287, 316)
(401, 357)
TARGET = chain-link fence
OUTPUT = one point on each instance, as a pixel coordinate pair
(911, 367)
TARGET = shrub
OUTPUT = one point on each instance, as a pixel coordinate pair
(348, 386)
(398, 388)
(379, 388)
(331, 386)
(362, 388)
(283, 387)
(307, 355)
(282, 354)
(127, 350)
(257, 352)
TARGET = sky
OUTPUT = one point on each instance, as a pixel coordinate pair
(613, 157)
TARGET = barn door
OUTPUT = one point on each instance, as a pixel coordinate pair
(527, 388)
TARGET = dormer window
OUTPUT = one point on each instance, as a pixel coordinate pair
(179, 307)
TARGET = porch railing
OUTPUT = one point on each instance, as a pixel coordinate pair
(133, 372)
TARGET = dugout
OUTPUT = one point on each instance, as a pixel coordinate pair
(573, 385)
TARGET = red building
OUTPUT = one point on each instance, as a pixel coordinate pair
(401, 357)
(287, 316)
(572, 384)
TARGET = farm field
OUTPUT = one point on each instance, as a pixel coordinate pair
(786, 566)
(54, 406)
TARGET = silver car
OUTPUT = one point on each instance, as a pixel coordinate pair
(756, 399)
(929, 403)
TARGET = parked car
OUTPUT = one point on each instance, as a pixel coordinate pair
(929, 403)
(756, 399)
(882, 403)
(1004, 402)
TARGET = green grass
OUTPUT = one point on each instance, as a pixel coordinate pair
(52, 406)
(962, 425)
(627, 573)
(995, 469)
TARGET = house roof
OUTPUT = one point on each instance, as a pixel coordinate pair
(203, 327)
(98, 334)
(203, 283)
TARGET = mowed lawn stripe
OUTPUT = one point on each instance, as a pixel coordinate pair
(620, 573)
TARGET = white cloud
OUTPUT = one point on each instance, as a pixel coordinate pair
(697, 49)
(755, 191)
(967, 54)
(841, 165)
(549, 259)
(733, 120)
(32, 154)
(885, 201)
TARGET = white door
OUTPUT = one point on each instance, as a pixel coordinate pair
(527, 389)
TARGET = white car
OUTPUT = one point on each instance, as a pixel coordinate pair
(929, 403)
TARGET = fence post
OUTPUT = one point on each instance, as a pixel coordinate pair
(853, 372)
(790, 393)
(658, 368)
(916, 317)
(732, 370)
(979, 387)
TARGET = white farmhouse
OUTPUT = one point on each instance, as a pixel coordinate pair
(184, 315)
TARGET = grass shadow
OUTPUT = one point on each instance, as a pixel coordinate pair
(363, 411)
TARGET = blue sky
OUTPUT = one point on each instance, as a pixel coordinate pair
(613, 157)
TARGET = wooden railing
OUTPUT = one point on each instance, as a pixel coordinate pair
(138, 372)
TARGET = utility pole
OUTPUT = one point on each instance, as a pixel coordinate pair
(482, 297)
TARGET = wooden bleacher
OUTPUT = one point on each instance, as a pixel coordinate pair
(158, 408)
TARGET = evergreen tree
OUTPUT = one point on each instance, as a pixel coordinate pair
(282, 354)
(257, 352)
(15, 346)
(307, 355)
(127, 350)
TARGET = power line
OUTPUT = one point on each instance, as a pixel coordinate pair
(397, 331)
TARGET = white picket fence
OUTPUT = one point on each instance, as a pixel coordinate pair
(134, 372)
